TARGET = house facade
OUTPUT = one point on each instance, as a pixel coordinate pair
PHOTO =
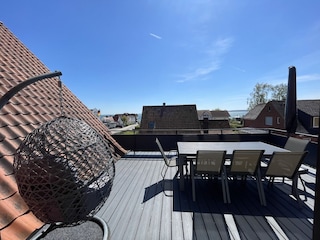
(308, 115)
(216, 119)
(271, 115)
(266, 115)
(126, 119)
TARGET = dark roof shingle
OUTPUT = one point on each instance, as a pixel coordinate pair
(311, 107)
(254, 112)
(170, 117)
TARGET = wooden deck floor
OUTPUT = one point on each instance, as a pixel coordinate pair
(138, 209)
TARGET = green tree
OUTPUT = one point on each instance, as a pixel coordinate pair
(264, 92)
(124, 120)
(279, 92)
(259, 94)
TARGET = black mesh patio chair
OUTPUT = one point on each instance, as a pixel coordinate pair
(169, 161)
(286, 164)
(210, 163)
(298, 145)
(247, 163)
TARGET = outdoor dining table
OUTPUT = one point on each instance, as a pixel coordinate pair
(189, 149)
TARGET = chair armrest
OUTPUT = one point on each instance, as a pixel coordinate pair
(303, 171)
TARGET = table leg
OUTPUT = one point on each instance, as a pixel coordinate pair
(181, 174)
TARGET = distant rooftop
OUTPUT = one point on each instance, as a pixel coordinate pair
(170, 117)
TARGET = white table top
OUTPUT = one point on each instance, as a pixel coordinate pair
(191, 148)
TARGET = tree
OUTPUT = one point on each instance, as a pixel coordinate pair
(264, 92)
(279, 92)
(259, 94)
(124, 120)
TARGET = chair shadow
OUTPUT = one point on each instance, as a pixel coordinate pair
(245, 205)
(163, 186)
(245, 210)
(244, 200)
(311, 185)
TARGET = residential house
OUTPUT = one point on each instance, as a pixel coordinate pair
(109, 122)
(213, 119)
(271, 115)
(266, 115)
(308, 115)
(169, 118)
(26, 111)
(126, 118)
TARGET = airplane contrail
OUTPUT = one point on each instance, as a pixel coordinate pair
(155, 36)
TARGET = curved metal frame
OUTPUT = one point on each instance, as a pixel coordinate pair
(5, 98)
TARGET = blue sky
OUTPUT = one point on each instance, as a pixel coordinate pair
(118, 56)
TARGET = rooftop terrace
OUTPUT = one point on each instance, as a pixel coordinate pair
(138, 208)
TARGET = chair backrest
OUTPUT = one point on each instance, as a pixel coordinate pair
(166, 160)
(285, 164)
(245, 161)
(296, 144)
(209, 161)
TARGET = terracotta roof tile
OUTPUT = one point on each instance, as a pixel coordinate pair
(10, 209)
(21, 227)
(8, 186)
(9, 147)
(9, 120)
(33, 119)
(26, 111)
(16, 131)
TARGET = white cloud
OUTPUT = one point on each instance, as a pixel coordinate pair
(239, 69)
(308, 78)
(200, 73)
(214, 55)
(220, 46)
(155, 36)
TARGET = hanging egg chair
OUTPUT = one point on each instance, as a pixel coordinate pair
(64, 171)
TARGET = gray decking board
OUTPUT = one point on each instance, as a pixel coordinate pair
(245, 211)
(132, 211)
(254, 215)
(211, 226)
(296, 220)
(121, 217)
(286, 212)
(251, 225)
(138, 209)
(145, 220)
(214, 223)
(185, 217)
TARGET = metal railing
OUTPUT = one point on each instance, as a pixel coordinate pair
(145, 140)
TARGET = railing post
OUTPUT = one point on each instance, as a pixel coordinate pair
(316, 217)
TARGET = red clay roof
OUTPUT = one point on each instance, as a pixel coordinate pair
(26, 111)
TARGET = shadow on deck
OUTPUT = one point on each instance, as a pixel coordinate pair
(253, 220)
(138, 208)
